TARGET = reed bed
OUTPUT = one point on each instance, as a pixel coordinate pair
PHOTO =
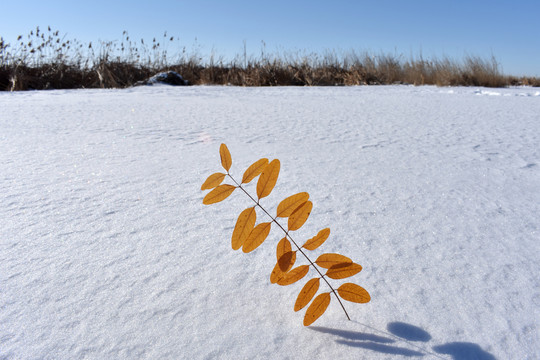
(48, 60)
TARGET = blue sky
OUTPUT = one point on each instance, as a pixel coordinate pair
(434, 28)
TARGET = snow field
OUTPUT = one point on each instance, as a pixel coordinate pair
(106, 250)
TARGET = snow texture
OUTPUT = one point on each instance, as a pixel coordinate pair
(107, 252)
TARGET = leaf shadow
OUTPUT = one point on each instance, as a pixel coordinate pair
(367, 341)
(407, 333)
(464, 350)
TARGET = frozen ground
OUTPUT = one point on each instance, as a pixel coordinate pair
(106, 251)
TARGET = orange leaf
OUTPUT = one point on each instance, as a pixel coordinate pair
(300, 216)
(354, 293)
(256, 237)
(317, 240)
(268, 179)
(212, 181)
(226, 160)
(276, 274)
(287, 260)
(342, 271)
(283, 246)
(219, 193)
(306, 294)
(244, 226)
(317, 308)
(328, 260)
(293, 276)
(254, 170)
(287, 206)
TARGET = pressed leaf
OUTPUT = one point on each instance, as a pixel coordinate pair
(219, 193)
(268, 179)
(328, 260)
(293, 276)
(212, 181)
(287, 260)
(256, 237)
(300, 216)
(342, 271)
(306, 294)
(354, 293)
(283, 246)
(244, 226)
(287, 206)
(317, 240)
(254, 170)
(226, 160)
(317, 308)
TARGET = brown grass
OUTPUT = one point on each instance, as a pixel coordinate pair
(46, 60)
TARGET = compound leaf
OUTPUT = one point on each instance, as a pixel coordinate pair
(317, 240)
(254, 170)
(293, 276)
(299, 216)
(306, 294)
(212, 181)
(317, 308)
(219, 193)
(344, 270)
(256, 237)
(328, 260)
(244, 226)
(225, 155)
(354, 293)
(287, 206)
(268, 179)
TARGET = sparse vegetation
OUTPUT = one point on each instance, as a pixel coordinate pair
(48, 60)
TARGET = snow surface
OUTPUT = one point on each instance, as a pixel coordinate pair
(106, 251)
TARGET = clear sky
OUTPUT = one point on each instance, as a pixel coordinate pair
(508, 30)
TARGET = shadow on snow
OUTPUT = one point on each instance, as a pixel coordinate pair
(399, 331)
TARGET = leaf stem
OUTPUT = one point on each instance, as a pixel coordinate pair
(294, 242)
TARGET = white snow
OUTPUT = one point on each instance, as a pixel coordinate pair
(107, 252)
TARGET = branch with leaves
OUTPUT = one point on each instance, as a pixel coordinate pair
(296, 209)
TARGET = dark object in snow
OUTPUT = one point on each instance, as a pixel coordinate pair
(168, 78)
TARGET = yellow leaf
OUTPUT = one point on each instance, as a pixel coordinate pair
(256, 237)
(212, 181)
(283, 246)
(300, 216)
(268, 179)
(328, 260)
(342, 271)
(317, 308)
(244, 226)
(354, 293)
(254, 170)
(226, 160)
(220, 193)
(287, 260)
(287, 206)
(317, 240)
(306, 294)
(293, 276)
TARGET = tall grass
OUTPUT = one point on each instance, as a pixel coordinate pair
(49, 60)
